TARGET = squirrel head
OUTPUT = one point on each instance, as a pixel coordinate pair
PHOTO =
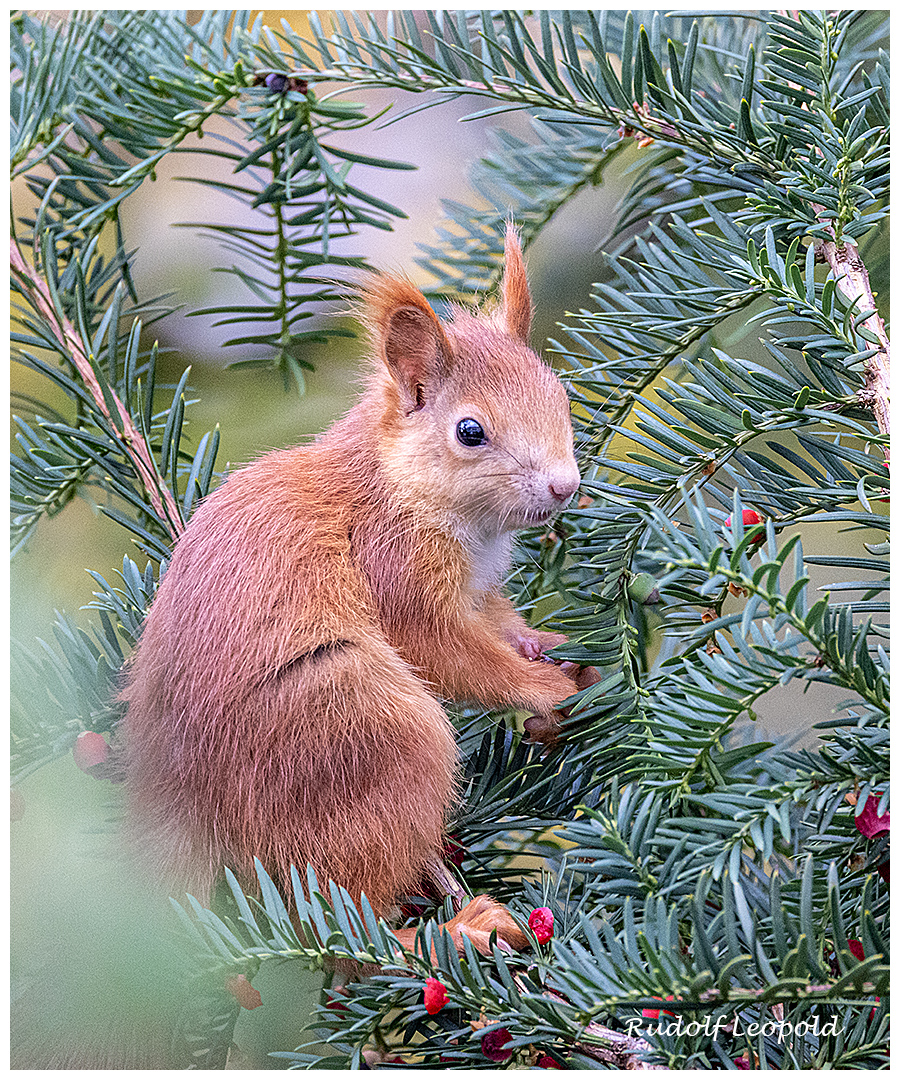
(475, 427)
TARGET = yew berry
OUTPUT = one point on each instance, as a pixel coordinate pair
(653, 1014)
(493, 1045)
(856, 947)
(247, 996)
(453, 852)
(541, 922)
(750, 517)
(435, 996)
(335, 1001)
(868, 821)
(90, 750)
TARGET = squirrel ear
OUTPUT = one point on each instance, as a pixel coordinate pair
(416, 352)
(516, 307)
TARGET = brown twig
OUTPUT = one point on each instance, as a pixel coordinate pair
(445, 882)
(613, 1048)
(618, 1050)
(37, 292)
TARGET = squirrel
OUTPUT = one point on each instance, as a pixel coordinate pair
(283, 701)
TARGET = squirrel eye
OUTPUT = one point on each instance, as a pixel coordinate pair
(470, 432)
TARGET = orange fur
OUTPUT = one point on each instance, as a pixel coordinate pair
(283, 700)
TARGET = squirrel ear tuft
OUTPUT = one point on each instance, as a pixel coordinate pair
(409, 338)
(412, 348)
(516, 308)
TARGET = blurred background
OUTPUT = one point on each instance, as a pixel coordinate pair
(62, 806)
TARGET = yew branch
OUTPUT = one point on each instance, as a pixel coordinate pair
(613, 1048)
(35, 289)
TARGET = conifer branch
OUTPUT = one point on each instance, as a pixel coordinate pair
(135, 447)
(689, 867)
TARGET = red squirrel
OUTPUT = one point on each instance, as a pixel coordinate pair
(283, 701)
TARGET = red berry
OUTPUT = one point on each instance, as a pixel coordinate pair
(868, 821)
(855, 946)
(653, 1014)
(750, 517)
(453, 852)
(541, 922)
(547, 1062)
(90, 750)
(247, 996)
(413, 911)
(493, 1045)
(435, 996)
(334, 1001)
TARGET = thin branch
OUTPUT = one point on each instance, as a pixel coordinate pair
(613, 1048)
(36, 290)
(852, 278)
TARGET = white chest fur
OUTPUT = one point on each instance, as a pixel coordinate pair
(490, 557)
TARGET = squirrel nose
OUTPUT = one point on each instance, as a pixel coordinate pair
(562, 488)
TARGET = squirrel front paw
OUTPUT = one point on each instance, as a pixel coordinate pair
(533, 644)
(545, 727)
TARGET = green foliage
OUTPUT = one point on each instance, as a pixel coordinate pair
(142, 85)
(690, 865)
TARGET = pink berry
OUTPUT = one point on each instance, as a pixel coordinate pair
(247, 996)
(90, 750)
(435, 996)
(867, 820)
(541, 922)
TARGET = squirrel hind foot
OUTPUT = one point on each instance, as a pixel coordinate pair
(477, 921)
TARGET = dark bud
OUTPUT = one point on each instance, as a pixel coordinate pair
(277, 83)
